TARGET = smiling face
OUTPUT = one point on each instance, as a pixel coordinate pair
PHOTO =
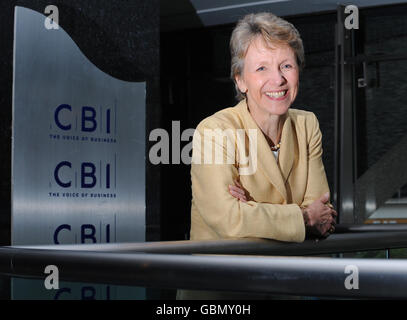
(269, 78)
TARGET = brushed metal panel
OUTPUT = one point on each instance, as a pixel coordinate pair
(69, 113)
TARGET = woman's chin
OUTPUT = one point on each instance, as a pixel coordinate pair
(277, 110)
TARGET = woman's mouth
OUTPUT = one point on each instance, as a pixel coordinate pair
(277, 95)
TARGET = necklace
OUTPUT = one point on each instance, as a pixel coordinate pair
(273, 147)
(276, 147)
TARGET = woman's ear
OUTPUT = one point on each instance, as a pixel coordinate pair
(241, 84)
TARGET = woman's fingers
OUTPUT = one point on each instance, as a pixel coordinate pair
(237, 189)
(325, 215)
(335, 216)
(328, 218)
(327, 229)
(238, 196)
(241, 192)
(326, 225)
(334, 213)
(236, 192)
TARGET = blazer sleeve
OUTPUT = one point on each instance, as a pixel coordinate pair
(317, 183)
(227, 216)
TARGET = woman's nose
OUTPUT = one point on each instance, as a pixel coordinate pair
(276, 77)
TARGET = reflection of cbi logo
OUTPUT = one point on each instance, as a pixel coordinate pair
(91, 121)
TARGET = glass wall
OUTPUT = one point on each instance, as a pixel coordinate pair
(381, 116)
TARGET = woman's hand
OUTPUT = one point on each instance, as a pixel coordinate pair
(319, 218)
(239, 192)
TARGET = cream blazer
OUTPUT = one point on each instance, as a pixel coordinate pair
(278, 188)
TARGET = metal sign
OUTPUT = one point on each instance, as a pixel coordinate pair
(78, 154)
(78, 150)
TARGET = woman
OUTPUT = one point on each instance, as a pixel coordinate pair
(286, 196)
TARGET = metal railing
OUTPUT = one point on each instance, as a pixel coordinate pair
(213, 265)
(347, 238)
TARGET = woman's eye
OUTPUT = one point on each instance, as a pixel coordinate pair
(261, 69)
(286, 66)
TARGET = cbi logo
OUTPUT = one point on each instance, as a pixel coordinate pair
(88, 233)
(91, 120)
(89, 175)
(84, 124)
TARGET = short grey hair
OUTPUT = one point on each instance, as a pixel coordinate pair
(273, 29)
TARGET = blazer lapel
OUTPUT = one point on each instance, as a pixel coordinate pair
(265, 158)
(287, 150)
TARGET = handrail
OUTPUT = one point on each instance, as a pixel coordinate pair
(275, 275)
(348, 239)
